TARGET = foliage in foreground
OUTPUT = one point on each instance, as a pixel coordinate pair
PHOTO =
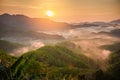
(56, 63)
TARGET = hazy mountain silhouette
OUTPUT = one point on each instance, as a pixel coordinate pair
(113, 33)
(98, 24)
(23, 26)
(23, 22)
(116, 21)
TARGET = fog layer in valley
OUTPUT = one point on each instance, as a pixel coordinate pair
(89, 36)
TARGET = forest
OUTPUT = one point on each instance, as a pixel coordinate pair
(58, 62)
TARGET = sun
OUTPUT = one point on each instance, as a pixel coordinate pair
(50, 13)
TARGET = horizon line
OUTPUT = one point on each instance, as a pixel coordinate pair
(19, 14)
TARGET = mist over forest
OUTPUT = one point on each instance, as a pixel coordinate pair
(43, 49)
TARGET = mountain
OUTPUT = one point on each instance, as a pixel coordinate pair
(113, 23)
(113, 33)
(114, 64)
(21, 22)
(17, 27)
(8, 46)
(112, 47)
(116, 21)
(57, 56)
(29, 34)
(6, 60)
(113, 60)
(86, 24)
(51, 63)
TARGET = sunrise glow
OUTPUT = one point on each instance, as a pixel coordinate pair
(50, 13)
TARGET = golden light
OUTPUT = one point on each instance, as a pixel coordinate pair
(49, 13)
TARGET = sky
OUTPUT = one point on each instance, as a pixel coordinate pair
(64, 10)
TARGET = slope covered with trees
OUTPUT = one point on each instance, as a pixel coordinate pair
(50, 62)
(56, 63)
(8, 46)
(114, 65)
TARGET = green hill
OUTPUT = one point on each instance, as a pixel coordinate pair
(8, 46)
(56, 63)
(57, 56)
(112, 47)
(113, 69)
(6, 59)
(72, 46)
(77, 50)
(50, 62)
(114, 65)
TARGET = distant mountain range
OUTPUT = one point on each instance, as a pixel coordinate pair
(22, 22)
(113, 23)
(23, 26)
(116, 21)
(113, 33)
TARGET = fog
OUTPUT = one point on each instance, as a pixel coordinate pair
(88, 38)
(83, 31)
(33, 45)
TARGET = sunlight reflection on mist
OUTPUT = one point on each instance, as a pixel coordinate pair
(30, 47)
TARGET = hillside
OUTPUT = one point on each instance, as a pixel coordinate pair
(114, 65)
(57, 56)
(50, 62)
(20, 28)
(22, 22)
(56, 63)
(112, 33)
(8, 46)
(6, 59)
(112, 47)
